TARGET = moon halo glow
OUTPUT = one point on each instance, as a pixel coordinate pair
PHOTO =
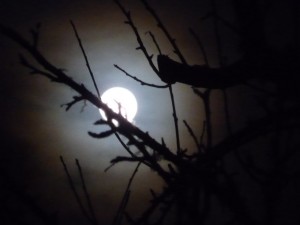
(120, 100)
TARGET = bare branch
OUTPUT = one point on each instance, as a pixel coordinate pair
(35, 70)
(156, 202)
(101, 122)
(35, 34)
(138, 80)
(257, 128)
(205, 96)
(155, 42)
(124, 145)
(127, 159)
(202, 135)
(192, 134)
(103, 134)
(247, 168)
(87, 196)
(138, 37)
(165, 31)
(217, 33)
(214, 78)
(85, 57)
(70, 104)
(175, 120)
(199, 42)
(122, 207)
(72, 186)
(227, 114)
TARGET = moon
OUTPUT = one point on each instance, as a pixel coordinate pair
(120, 100)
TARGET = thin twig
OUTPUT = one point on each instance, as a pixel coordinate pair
(259, 127)
(35, 34)
(85, 57)
(72, 186)
(86, 193)
(138, 80)
(156, 202)
(125, 147)
(199, 42)
(165, 31)
(206, 101)
(164, 212)
(35, 70)
(175, 119)
(138, 37)
(202, 136)
(227, 115)
(205, 96)
(247, 168)
(153, 164)
(217, 33)
(127, 159)
(132, 158)
(191, 132)
(75, 100)
(121, 209)
(254, 87)
(226, 23)
(155, 42)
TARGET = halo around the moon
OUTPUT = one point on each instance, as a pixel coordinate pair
(120, 100)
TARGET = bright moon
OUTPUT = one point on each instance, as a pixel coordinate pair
(120, 100)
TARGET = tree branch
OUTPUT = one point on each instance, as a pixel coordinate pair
(155, 42)
(87, 196)
(191, 132)
(165, 31)
(138, 37)
(72, 186)
(138, 80)
(70, 104)
(85, 57)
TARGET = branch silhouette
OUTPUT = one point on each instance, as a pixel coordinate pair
(196, 183)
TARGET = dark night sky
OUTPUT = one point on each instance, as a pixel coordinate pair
(35, 130)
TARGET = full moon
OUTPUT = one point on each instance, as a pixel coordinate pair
(120, 100)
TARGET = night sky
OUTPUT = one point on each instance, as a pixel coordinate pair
(36, 130)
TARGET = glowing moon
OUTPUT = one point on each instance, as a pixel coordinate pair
(120, 100)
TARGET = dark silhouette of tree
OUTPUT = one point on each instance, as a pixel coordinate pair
(212, 180)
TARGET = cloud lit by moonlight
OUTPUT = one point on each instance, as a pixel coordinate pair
(120, 100)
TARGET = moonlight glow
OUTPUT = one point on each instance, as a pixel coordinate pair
(120, 100)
